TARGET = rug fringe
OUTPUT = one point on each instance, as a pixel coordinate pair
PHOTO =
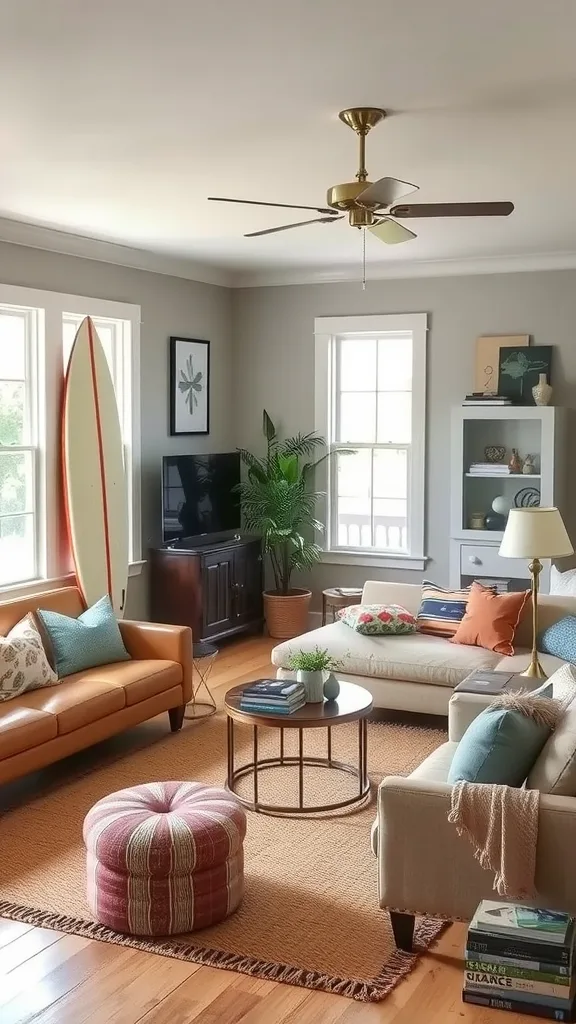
(369, 991)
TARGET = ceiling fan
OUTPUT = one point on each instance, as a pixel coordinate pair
(373, 205)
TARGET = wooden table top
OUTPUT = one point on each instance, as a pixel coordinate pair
(352, 703)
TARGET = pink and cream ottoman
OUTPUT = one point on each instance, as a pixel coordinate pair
(164, 858)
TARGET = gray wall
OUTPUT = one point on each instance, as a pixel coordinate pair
(169, 306)
(274, 364)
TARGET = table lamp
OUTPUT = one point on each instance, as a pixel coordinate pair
(535, 533)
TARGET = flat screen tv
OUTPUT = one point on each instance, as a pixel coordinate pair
(198, 495)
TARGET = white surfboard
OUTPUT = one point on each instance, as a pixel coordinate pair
(95, 488)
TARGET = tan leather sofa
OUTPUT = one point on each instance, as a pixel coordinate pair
(45, 725)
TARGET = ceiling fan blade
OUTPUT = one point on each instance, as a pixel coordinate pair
(390, 232)
(385, 192)
(285, 206)
(452, 210)
(298, 224)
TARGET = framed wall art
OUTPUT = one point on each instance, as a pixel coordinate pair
(487, 358)
(520, 369)
(189, 386)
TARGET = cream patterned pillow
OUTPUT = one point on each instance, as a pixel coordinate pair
(23, 661)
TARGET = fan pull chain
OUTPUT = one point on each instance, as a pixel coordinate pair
(364, 260)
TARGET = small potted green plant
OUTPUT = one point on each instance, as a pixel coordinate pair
(310, 667)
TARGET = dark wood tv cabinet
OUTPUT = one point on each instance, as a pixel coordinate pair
(213, 586)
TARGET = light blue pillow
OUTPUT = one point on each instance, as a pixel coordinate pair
(92, 639)
(560, 639)
(499, 746)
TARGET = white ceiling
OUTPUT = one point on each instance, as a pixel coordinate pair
(120, 117)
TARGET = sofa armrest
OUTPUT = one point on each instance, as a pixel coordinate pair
(463, 708)
(145, 640)
(425, 866)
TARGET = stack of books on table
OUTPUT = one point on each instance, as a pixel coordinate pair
(273, 696)
(493, 468)
(521, 959)
(481, 398)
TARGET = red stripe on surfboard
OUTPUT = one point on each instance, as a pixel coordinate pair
(100, 456)
(67, 516)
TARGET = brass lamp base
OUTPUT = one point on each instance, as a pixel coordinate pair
(534, 671)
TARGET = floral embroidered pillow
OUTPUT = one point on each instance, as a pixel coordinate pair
(378, 619)
(23, 661)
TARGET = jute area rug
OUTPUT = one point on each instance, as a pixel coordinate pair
(310, 916)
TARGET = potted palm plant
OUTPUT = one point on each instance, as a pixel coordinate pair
(279, 503)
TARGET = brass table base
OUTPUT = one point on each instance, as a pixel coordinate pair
(253, 768)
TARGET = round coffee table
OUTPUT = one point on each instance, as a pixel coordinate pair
(353, 704)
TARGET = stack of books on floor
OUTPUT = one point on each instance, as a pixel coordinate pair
(481, 398)
(493, 468)
(521, 959)
(273, 696)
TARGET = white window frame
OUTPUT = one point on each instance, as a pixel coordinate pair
(52, 307)
(327, 331)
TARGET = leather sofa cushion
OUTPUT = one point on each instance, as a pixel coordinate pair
(138, 679)
(22, 728)
(76, 701)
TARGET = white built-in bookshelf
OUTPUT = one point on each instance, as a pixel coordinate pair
(531, 430)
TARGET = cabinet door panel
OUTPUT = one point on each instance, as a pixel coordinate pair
(248, 583)
(217, 572)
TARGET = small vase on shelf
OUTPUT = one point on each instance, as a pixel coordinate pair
(515, 464)
(528, 468)
(542, 391)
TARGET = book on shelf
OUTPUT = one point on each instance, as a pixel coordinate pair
(494, 468)
(484, 681)
(489, 400)
(533, 1007)
(519, 921)
(501, 586)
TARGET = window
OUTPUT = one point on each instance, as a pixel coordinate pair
(37, 331)
(370, 399)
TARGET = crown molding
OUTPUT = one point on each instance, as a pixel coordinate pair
(515, 264)
(68, 244)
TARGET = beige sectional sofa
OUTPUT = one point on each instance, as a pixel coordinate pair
(416, 672)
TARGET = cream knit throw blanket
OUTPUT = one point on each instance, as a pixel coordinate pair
(501, 822)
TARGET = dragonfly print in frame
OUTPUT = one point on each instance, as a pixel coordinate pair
(190, 383)
(189, 386)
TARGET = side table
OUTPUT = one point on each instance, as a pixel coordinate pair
(203, 658)
(334, 598)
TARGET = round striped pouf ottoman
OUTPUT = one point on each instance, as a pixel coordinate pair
(164, 858)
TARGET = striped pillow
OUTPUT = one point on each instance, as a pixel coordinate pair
(441, 611)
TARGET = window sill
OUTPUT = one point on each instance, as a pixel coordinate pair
(15, 591)
(375, 561)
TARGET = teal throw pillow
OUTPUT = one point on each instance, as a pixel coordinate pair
(560, 639)
(92, 639)
(502, 744)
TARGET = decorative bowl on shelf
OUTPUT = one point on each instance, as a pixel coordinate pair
(495, 453)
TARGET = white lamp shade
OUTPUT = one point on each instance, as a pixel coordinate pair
(535, 533)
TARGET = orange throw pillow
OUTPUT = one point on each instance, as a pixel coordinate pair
(491, 619)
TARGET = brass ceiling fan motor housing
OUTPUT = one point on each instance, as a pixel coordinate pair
(343, 196)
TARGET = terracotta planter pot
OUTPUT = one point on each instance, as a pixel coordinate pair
(286, 614)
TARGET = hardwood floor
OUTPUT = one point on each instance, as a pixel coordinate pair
(51, 978)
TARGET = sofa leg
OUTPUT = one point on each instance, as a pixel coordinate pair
(176, 716)
(403, 928)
